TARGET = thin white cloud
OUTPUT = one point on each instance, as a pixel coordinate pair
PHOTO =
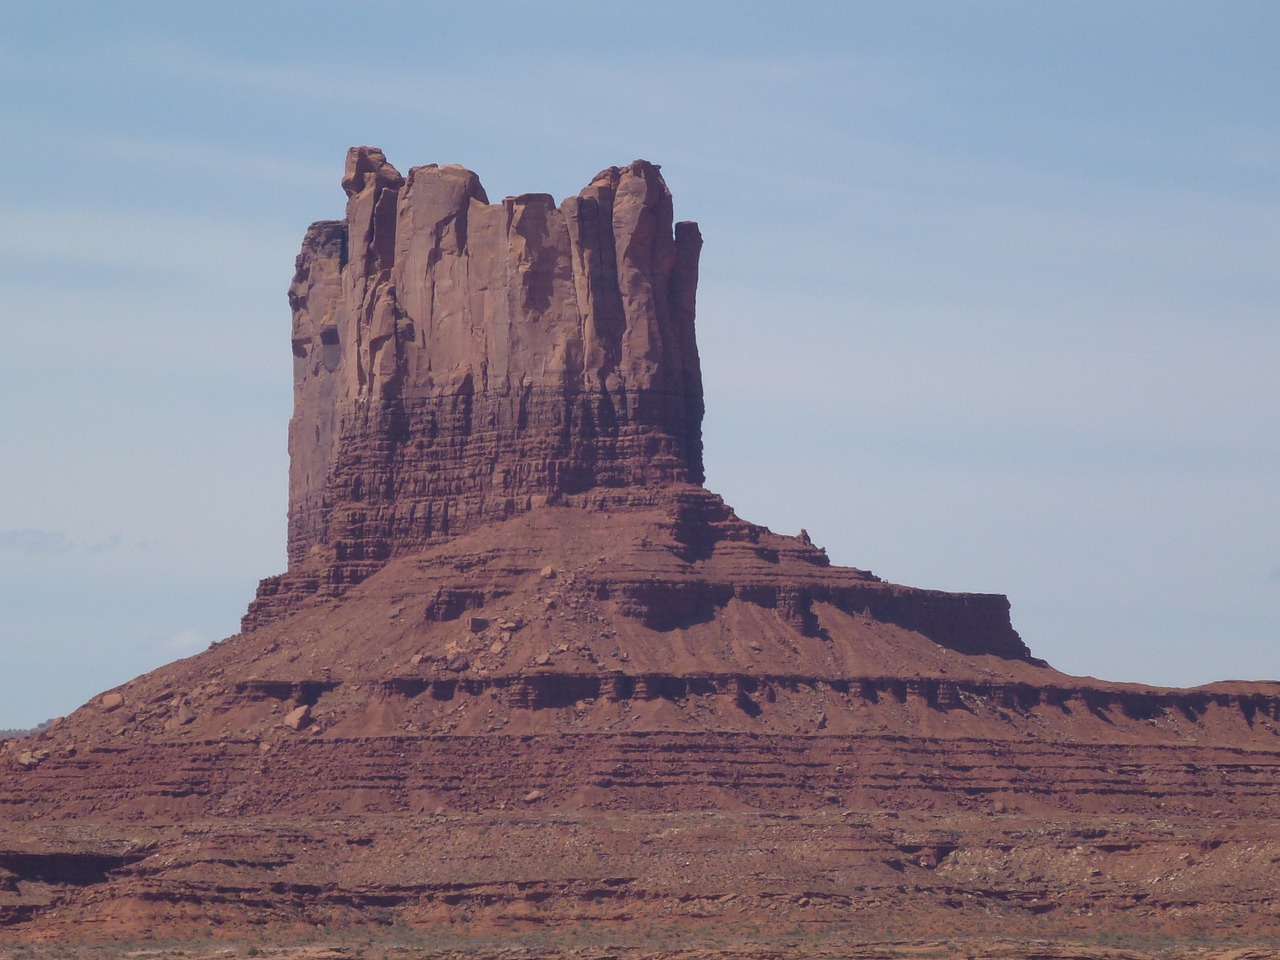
(215, 158)
(35, 542)
(187, 61)
(113, 542)
(166, 59)
(212, 246)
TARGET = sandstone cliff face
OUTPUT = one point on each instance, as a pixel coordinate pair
(458, 361)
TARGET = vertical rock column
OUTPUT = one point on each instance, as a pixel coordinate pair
(458, 361)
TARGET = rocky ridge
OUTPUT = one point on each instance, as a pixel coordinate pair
(525, 672)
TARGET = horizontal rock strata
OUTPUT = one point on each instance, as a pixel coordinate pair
(472, 832)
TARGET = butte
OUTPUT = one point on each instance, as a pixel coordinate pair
(527, 681)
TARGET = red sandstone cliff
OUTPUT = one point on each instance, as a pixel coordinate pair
(458, 361)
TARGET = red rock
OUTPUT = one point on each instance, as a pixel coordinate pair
(497, 422)
(29, 759)
(298, 717)
(457, 361)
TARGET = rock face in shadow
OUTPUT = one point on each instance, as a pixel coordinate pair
(458, 361)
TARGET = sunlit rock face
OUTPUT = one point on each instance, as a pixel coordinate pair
(458, 361)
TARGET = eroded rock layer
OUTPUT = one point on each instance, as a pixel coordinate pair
(458, 361)
(611, 714)
(528, 689)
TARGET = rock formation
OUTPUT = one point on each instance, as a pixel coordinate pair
(458, 361)
(524, 672)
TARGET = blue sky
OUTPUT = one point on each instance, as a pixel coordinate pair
(989, 291)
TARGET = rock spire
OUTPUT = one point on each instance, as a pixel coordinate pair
(458, 361)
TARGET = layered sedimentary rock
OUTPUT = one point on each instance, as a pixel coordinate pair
(526, 676)
(586, 715)
(458, 361)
